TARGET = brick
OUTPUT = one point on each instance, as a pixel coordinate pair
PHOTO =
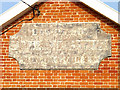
(6, 86)
(20, 79)
(61, 86)
(69, 83)
(46, 16)
(98, 83)
(113, 71)
(113, 59)
(34, 79)
(63, 78)
(69, 76)
(49, 14)
(41, 82)
(13, 82)
(5, 39)
(7, 79)
(76, 74)
(77, 80)
(48, 79)
(98, 71)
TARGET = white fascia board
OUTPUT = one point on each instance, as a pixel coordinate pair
(15, 10)
(94, 4)
(103, 9)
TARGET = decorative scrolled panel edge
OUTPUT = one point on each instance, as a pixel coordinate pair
(94, 67)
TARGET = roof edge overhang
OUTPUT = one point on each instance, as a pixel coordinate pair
(103, 9)
(21, 8)
(15, 12)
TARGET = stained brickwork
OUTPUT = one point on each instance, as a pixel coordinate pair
(105, 77)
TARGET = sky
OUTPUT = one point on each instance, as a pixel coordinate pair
(6, 4)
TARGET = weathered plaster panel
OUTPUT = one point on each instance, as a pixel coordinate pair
(60, 46)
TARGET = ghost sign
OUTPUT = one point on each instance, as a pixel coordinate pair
(60, 46)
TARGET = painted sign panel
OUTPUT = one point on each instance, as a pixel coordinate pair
(60, 46)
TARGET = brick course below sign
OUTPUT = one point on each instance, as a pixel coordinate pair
(60, 46)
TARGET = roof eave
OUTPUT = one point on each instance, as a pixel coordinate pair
(20, 9)
(103, 9)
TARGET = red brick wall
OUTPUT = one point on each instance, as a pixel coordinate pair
(105, 77)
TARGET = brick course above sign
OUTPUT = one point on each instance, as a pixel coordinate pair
(60, 46)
